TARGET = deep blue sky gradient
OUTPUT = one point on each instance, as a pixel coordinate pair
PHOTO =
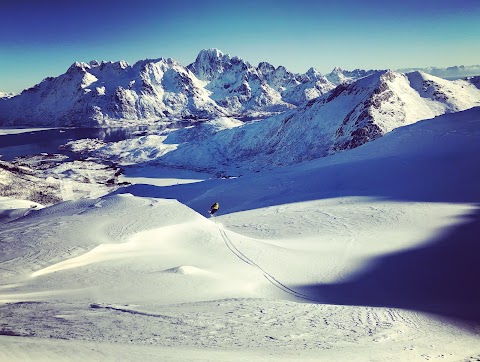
(40, 38)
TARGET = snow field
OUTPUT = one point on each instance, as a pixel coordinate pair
(365, 255)
(186, 281)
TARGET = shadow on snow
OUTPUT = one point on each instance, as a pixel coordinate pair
(440, 277)
(392, 178)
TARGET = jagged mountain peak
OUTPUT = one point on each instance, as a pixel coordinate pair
(336, 76)
(265, 67)
(214, 54)
(78, 67)
(211, 53)
(313, 73)
(281, 70)
(142, 63)
(121, 64)
(94, 67)
(212, 63)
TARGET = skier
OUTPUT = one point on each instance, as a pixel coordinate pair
(214, 208)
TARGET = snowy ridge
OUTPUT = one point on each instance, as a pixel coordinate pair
(398, 100)
(296, 88)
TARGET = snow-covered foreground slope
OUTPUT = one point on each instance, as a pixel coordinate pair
(121, 282)
(364, 255)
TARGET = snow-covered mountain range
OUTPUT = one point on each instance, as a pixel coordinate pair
(216, 84)
(345, 118)
(313, 115)
(96, 93)
(240, 88)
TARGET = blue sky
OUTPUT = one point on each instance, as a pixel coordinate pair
(40, 38)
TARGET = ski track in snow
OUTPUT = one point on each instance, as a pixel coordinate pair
(267, 276)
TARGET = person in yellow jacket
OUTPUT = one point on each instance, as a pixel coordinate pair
(214, 208)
